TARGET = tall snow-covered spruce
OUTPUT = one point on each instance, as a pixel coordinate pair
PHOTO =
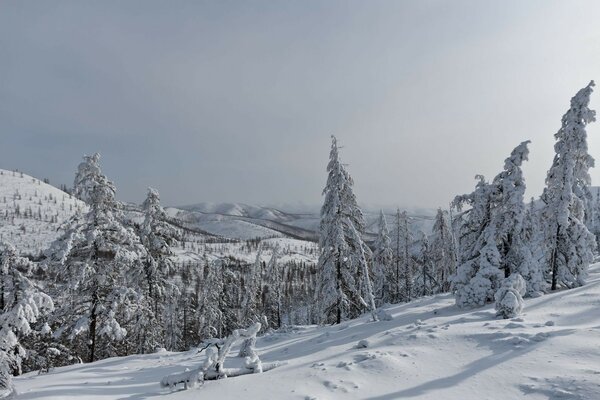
(157, 236)
(490, 233)
(343, 254)
(569, 243)
(441, 251)
(96, 266)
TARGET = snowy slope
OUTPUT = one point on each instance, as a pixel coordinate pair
(242, 221)
(35, 211)
(430, 350)
(290, 250)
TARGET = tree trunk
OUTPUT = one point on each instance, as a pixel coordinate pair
(339, 284)
(553, 263)
(93, 323)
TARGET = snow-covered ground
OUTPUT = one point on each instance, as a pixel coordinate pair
(32, 211)
(290, 250)
(430, 350)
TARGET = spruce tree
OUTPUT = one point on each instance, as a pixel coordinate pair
(490, 234)
(22, 303)
(271, 301)
(569, 243)
(382, 264)
(96, 265)
(157, 236)
(442, 251)
(342, 251)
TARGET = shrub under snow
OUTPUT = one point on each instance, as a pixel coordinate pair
(509, 298)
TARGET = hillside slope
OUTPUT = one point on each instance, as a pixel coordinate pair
(31, 211)
(242, 221)
(430, 350)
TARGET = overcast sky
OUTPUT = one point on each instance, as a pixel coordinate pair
(236, 100)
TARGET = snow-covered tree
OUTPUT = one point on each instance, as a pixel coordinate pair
(342, 251)
(509, 209)
(212, 302)
(85, 178)
(569, 244)
(251, 293)
(442, 251)
(22, 303)
(271, 300)
(402, 240)
(595, 224)
(490, 234)
(424, 282)
(157, 236)
(382, 264)
(96, 265)
(532, 265)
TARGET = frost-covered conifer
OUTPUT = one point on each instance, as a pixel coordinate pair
(212, 302)
(22, 303)
(342, 251)
(442, 251)
(272, 292)
(157, 236)
(532, 265)
(382, 264)
(424, 282)
(395, 237)
(401, 238)
(251, 293)
(595, 225)
(509, 209)
(490, 234)
(85, 178)
(96, 265)
(569, 244)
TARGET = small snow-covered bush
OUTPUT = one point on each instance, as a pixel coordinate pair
(383, 315)
(509, 298)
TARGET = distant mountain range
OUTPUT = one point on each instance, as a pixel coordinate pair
(243, 221)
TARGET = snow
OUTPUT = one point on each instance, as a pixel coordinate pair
(29, 234)
(292, 250)
(430, 350)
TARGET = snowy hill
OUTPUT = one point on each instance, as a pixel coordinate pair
(242, 221)
(31, 211)
(430, 350)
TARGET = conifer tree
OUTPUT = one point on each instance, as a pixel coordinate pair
(382, 264)
(342, 250)
(442, 251)
(96, 265)
(271, 291)
(157, 236)
(490, 235)
(569, 244)
(22, 303)
(85, 178)
(212, 302)
(532, 266)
